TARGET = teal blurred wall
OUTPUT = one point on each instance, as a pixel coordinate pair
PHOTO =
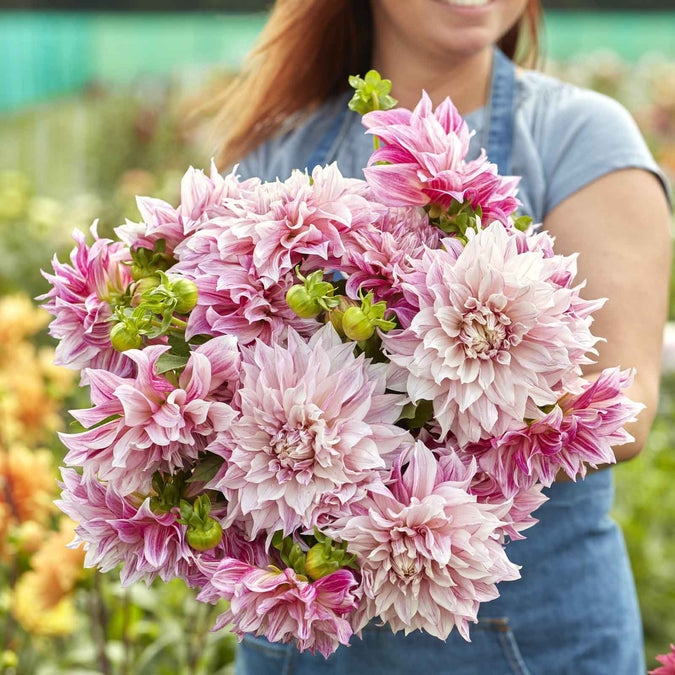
(44, 54)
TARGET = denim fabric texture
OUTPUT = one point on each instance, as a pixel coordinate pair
(574, 611)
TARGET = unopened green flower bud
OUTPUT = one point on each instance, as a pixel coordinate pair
(318, 562)
(356, 325)
(335, 315)
(124, 337)
(186, 292)
(301, 302)
(205, 535)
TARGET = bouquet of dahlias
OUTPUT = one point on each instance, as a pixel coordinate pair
(330, 401)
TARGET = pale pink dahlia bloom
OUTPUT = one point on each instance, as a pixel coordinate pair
(233, 297)
(234, 300)
(308, 216)
(80, 300)
(315, 421)
(159, 220)
(116, 530)
(203, 198)
(380, 256)
(491, 337)
(517, 509)
(143, 424)
(580, 430)
(283, 606)
(668, 663)
(422, 162)
(428, 550)
(125, 530)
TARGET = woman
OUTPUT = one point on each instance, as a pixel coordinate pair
(588, 176)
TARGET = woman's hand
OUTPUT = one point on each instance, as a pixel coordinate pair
(620, 225)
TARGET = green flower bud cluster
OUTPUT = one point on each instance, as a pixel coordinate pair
(203, 532)
(146, 262)
(459, 218)
(312, 296)
(156, 300)
(324, 557)
(370, 93)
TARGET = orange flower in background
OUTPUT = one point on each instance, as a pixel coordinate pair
(19, 319)
(42, 599)
(27, 484)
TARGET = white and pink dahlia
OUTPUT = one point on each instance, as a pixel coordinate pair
(423, 162)
(308, 216)
(283, 606)
(492, 336)
(233, 299)
(80, 300)
(117, 530)
(380, 256)
(579, 430)
(427, 549)
(315, 424)
(143, 424)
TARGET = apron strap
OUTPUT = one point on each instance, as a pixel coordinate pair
(501, 112)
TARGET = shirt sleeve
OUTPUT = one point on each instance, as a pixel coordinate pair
(587, 136)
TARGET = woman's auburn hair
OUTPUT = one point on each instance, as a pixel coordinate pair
(304, 56)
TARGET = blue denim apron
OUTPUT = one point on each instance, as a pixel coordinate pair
(573, 612)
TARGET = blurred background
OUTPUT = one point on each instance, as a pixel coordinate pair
(95, 102)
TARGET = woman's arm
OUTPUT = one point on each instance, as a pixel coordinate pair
(620, 225)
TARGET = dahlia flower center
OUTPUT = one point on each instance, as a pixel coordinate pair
(404, 566)
(484, 332)
(293, 447)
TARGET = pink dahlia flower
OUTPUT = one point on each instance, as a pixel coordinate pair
(204, 198)
(315, 420)
(483, 187)
(422, 162)
(159, 220)
(492, 334)
(461, 466)
(143, 424)
(580, 430)
(380, 256)
(668, 663)
(125, 530)
(234, 300)
(427, 549)
(80, 300)
(115, 530)
(283, 606)
(308, 216)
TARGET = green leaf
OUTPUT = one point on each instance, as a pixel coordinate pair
(178, 345)
(169, 361)
(206, 469)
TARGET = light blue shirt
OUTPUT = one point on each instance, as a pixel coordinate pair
(564, 137)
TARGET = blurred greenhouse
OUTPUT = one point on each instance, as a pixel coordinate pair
(97, 106)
